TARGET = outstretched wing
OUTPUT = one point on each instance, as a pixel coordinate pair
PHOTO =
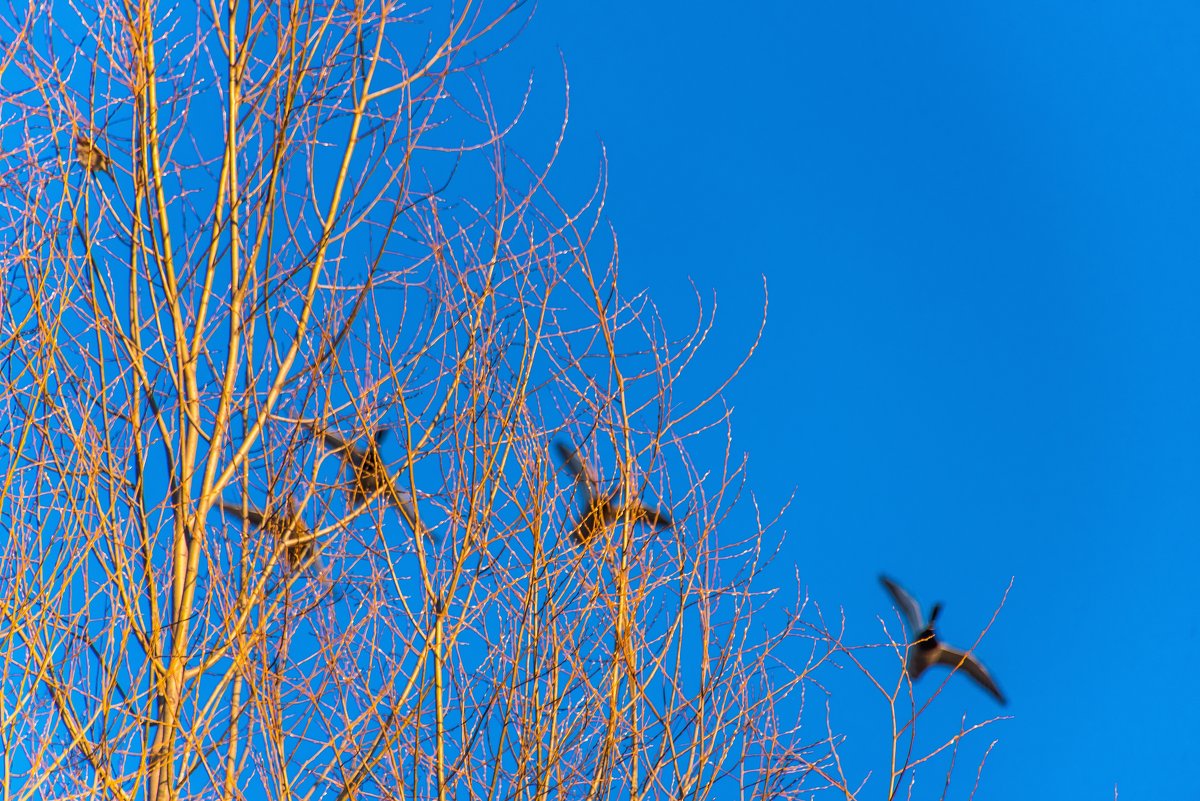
(334, 442)
(657, 518)
(589, 485)
(252, 515)
(406, 506)
(961, 659)
(907, 605)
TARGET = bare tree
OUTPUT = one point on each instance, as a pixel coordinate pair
(243, 242)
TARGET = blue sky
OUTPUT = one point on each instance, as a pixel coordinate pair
(978, 228)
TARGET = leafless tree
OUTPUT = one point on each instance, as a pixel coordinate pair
(240, 242)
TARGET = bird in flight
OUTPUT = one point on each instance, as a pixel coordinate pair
(369, 473)
(598, 512)
(91, 156)
(289, 530)
(925, 649)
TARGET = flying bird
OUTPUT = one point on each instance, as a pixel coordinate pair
(91, 156)
(370, 474)
(289, 530)
(925, 649)
(599, 512)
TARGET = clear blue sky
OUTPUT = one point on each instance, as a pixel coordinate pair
(979, 228)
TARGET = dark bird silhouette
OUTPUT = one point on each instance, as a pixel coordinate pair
(369, 473)
(599, 512)
(289, 530)
(91, 156)
(925, 649)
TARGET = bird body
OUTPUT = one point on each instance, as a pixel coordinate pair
(91, 156)
(926, 650)
(369, 473)
(289, 530)
(598, 511)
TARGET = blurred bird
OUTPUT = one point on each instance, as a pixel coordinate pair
(600, 512)
(288, 530)
(91, 156)
(925, 649)
(370, 474)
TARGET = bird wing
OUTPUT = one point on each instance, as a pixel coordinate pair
(589, 485)
(657, 518)
(961, 659)
(406, 506)
(905, 603)
(251, 514)
(332, 441)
